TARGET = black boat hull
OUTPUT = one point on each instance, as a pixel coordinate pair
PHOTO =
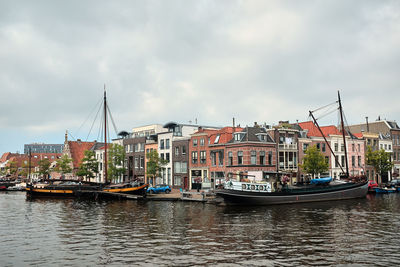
(327, 193)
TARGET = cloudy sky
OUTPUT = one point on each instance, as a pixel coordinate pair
(180, 61)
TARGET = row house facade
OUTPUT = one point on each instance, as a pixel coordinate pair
(230, 152)
(135, 150)
(180, 168)
(310, 136)
(176, 132)
(251, 153)
(386, 130)
(286, 138)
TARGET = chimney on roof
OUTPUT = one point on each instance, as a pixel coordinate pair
(233, 122)
(366, 118)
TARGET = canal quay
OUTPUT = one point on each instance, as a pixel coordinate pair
(59, 232)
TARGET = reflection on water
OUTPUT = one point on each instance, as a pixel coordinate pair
(69, 232)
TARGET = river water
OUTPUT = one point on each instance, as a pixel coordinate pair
(54, 232)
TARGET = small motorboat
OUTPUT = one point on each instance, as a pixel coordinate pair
(385, 190)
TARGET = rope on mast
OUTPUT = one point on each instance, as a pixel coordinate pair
(98, 111)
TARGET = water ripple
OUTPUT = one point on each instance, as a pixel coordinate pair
(78, 233)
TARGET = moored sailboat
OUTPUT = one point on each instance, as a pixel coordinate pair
(269, 192)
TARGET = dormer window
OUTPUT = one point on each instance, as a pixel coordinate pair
(262, 137)
(216, 139)
(239, 136)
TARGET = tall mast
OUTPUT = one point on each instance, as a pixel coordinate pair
(29, 170)
(327, 143)
(344, 137)
(105, 134)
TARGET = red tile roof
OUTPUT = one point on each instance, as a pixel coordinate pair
(313, 130)
(358, 135)
(225, 134)
(77, 149)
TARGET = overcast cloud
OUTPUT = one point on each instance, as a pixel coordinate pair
(163, 61)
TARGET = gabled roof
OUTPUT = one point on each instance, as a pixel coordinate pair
(77, 149)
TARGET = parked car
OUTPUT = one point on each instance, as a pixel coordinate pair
(372, 185)
(160, 188)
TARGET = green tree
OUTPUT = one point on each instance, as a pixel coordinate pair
(12, 168)
(64, 165)
(314, 161)
(89, 166)
(116, 159)
(44, 168)
(154, 164)
(380, 160)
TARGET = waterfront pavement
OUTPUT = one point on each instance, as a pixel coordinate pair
(177, 195)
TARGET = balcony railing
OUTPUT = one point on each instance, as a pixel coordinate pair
(288, 146)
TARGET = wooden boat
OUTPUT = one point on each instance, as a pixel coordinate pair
(263, 194)
(63, 189)
(127, 188)
(267, 193)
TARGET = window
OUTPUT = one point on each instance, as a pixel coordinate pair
(177, 181)
(359, 161)
(230, 158)
(353, 147)
(194, 157)
(162, 144)
(203, 156)
(240, 157)
(195, 142)
(323, 147)
(326, 159)
(162, 155)
(141, 162)
(390, 147)
(343, 161)
(359, 147)
(253, 157)
(342, 148)
(220, 158)
(353, 161)
(336, 147)
(202, 142)
(262, 157)
(270, 158)
(180, 167)
(136, 147)
(216, 139)
(238, 136)
(213, 158)
(336, 161)
(318, 146)
(305, 146)
(136, 163)
(167, 156)
(167, 144)
(176, 151)
(183, 150)
(141, 147)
